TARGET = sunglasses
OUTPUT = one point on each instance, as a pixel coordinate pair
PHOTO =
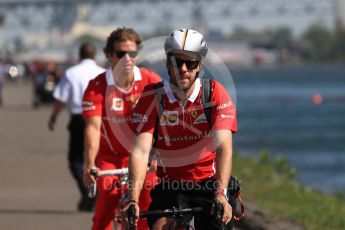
(190, 64)
(120, 54)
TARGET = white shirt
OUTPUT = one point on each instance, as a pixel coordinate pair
(71, 87)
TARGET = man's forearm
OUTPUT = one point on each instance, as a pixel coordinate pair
(92, 138)
(137, 165)
(137, 169)
(224, 159)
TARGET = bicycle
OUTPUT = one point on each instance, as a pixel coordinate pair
(123, 190)
(177, 214)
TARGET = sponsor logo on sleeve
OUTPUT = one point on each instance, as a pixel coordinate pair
(225, 105)
(88, 106)
(87, 103)
(222, 115)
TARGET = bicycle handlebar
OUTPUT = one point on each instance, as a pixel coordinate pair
(109, 172)
(113, 172)
(171, 212)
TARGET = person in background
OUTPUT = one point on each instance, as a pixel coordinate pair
(108, 105)
(46, 78)
(70, 92)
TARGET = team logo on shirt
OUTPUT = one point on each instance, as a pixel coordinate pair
(169, 118)
(194, 113)
(117, 104)
(200, 119)
(134, 99)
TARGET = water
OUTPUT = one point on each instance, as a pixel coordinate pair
(276, 113)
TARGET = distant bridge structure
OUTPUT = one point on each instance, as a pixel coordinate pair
(43, 23)
(147, 14)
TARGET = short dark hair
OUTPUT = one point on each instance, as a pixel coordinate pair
(87, 50)
(121, 35)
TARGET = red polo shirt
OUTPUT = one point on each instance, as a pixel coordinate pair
(185, 148)
(105, 99)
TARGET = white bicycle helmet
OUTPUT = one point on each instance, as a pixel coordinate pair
(186, 41)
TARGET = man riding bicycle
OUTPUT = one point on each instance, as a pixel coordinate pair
(107, 108)
(194, 157)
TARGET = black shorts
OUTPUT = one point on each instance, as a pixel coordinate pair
(187, 195)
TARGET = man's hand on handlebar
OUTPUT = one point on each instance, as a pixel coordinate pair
(221, 209)
(90, 176)
(130, 214)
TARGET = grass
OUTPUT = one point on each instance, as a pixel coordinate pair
(269, 182)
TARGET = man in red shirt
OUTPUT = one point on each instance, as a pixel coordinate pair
(192, 155)
(107, 108)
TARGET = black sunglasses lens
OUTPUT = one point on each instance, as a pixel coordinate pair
(120, 54)
(179, 62)
(189, 64)
(192, 64)
(133, 54)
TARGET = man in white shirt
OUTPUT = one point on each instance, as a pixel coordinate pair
(70, 92)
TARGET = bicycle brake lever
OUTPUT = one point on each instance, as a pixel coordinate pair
(92, 191)
(93, 172)
(218, 209)
(131, 217)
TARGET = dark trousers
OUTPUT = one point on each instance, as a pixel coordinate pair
(186, 195)
(76, 151)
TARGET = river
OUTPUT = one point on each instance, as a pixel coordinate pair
(297, 112)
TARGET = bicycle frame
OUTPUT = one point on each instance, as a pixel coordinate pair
(122, 188)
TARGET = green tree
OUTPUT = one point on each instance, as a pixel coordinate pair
(87, 38)
(282, 38)
(338, 49)
(241, 33)
(318, 42)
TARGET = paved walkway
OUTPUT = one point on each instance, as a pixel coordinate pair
(36, 188)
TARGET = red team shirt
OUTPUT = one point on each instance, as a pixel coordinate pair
(103, 98)
(185, 149)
